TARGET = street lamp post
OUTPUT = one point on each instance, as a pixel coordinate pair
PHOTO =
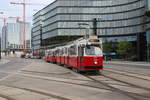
(95, 26)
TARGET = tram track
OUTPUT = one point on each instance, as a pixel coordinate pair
(127, 80)
(129, 94)
(129, 75)
(4, 97)
(33, 91)
(101, 85)
(56, 75)
(133, 85)
(110, 88)
(124, 70)
(65, 81)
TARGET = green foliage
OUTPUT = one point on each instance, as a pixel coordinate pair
(124, 47)
(126, 50)
(109, 47)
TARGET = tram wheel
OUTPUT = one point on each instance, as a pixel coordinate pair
(98, 72)
(73, 69)
(76, 70)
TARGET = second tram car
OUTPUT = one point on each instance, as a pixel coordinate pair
(80, 55)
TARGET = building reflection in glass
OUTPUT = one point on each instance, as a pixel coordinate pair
(124, 48)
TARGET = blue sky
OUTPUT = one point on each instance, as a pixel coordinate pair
(16, 10)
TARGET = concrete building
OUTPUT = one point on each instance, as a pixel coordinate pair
(4, 38)
(12, 35)
(118, 20)
(28, 44)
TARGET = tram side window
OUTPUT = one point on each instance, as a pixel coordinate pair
(80, 51)
(62, 52)
(57, 52)
(72, 50)
(65, 51)
(50, 53)
(54, 53)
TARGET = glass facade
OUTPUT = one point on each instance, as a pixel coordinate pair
(121, 47)
(147, 27)
(116, 17)
(148, 45)
(148, 4)
(61, 19)
(36, 31)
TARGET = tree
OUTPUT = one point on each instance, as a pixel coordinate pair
(108, 47)
(125, 48)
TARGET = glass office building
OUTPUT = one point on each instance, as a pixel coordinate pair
(147, 28)
(117, 20)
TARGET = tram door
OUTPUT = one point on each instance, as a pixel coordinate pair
(67, 58)
(80, 56)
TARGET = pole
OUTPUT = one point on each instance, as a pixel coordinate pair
(95, 26)
(24, 25)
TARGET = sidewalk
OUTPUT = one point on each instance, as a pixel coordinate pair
(3, 61)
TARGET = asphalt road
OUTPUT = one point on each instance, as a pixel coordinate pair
(14, 65)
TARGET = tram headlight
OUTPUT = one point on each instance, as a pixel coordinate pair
(95, 62)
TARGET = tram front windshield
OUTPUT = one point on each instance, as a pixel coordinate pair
(93, 50)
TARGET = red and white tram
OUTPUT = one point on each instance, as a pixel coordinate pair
(81, 55)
